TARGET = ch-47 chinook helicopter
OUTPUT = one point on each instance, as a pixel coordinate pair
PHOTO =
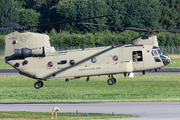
(33, 56)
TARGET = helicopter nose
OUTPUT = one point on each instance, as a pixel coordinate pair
(166, 59)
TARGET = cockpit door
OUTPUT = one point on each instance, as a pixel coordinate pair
(138, 63)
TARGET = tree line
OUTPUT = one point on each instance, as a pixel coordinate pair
(67, 40)
(145, 14)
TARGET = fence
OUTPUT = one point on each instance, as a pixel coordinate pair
(170, 50)
(2, 51)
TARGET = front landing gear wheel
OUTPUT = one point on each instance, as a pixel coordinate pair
(111, 81)
(38, 84)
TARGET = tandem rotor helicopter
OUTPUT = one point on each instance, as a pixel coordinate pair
(33, 56)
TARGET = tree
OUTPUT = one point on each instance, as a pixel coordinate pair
(170, 14)
(76, 10)
(116, 7)
(9, 10)
(142, 14)
(2, 42)
(42, 7)
(29, 17)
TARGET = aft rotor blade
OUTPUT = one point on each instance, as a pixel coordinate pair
(173, 31)
(133, 29)
(70, 21)
(12, 25)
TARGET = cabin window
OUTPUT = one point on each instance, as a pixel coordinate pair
(50, 64)
(93, 60)
(137, 56)
(115, 58)
(72, 62)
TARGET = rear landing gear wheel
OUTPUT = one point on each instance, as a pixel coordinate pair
(42, 83)
(38, 84)
(111, 81)
(114, 80)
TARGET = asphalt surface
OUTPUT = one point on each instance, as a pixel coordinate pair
(9, 72)
(146, 110)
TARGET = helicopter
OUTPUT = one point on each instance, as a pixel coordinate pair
(33, 56)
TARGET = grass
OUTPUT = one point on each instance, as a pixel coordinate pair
(175, 63)
(140, 88)
(4, 65)
(61, 116)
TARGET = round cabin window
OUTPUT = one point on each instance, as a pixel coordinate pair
(115, 58)
(93, 60)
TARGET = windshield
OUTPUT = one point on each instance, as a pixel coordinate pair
(159, 51)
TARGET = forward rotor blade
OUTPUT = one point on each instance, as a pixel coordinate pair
(18, 27)
(133, 29)
(70, 21)
(6, 28)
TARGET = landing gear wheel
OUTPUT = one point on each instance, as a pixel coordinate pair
(67, 80)
(114, 80)
(38, 84)
(42, 83)
(111, 81)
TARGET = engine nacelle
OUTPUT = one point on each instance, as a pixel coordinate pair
(26, 52)
(19, 45)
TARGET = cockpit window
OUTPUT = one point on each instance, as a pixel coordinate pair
(157, 59)
(155, 47)
(158, 50)
(154, 53)
(50, 42)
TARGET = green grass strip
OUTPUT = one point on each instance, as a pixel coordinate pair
(175, 63)
(4, 65)
(60, 116)
(140, 88)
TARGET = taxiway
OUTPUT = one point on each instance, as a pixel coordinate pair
(146, 110)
